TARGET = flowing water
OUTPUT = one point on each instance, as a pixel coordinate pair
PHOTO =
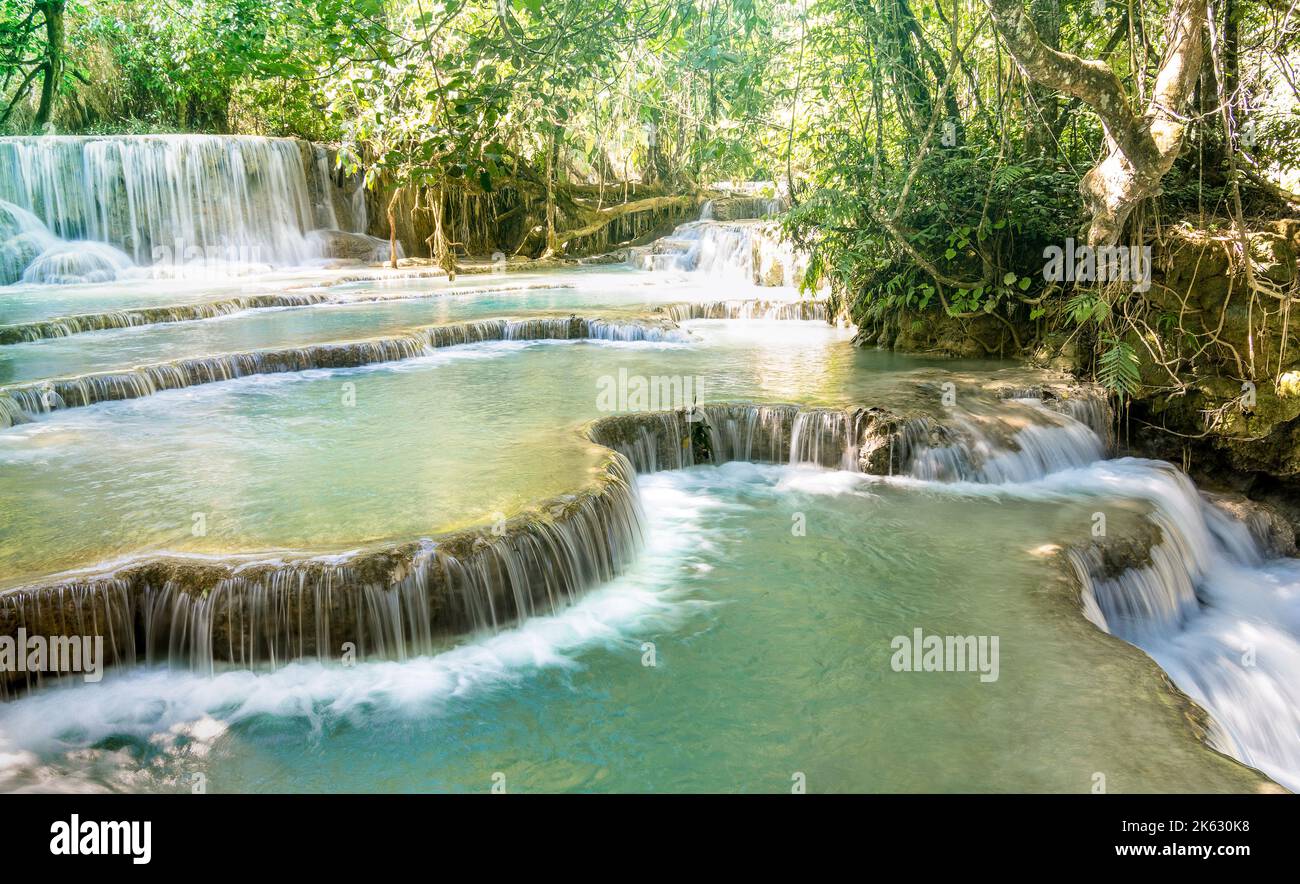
(232, 477)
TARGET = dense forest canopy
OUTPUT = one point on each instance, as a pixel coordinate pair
(928, 151)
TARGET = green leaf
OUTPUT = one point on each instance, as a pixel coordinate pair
(1118, 368)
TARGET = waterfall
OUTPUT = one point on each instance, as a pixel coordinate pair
(1019, 441)
(326, 216)
(107, 204)
(754, 308)
(724, 432)
(1213, 608)
(1008, 441)
(1202, 592)
(21, 402)
(709, 248)
(391, 602)
(64, 326)
(749, 250)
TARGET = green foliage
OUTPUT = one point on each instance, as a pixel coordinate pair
(1088, 306)
(1118, 368)
(925, 172)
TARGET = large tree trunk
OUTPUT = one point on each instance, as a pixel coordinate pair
(52, 67)
(1140, 149)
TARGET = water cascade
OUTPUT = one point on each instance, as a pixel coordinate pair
(401, 599)
(753, 308)
(1020, 441)
(390, 602)
(1214, 605)
(748, 250)
(106, 204)
(21, 402)
(1208, 592)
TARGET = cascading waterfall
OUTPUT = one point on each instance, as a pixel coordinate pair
(754, 308)
(1210, 603)
(749, 250)
(65, 326)
(1214, 609)
(326, 215)
(107, 204)
(719, 433)
(1014, 441)
(706, 247)
(1205, 599)
(1020, 442)
(392, 602)
(20, 403)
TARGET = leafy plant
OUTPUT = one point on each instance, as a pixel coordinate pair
(1118, 368)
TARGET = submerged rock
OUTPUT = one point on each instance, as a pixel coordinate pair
(360, 247)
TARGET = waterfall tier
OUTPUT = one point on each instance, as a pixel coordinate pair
(137, 317)
(104, 205)
(19, 403)
(392, 602)
(1007, 440)
(753, 308)
(746, 251)
(1207, 599)
(399, 599)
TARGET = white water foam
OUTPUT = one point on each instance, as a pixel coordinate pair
(55, 739)
(121, 207)
(1219, 616)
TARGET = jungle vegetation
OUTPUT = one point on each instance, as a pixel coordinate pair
(928, 150)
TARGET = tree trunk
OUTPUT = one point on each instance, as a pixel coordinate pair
(1041, 127)
(1232, 64)
(392, 228)
(1140, 149)
(552, 243)
(52, 67)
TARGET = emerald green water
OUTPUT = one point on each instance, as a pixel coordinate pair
(772, 657)
(409, 304)
(282, 462)
(772, 651)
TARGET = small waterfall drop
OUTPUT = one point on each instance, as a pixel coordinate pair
(1201, 594)
(1019, 441)
(755, 308)
(744, 250)
(1218, 614)
(390, 602)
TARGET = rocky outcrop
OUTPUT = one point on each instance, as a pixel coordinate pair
(1227, 403)
(343, 246)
